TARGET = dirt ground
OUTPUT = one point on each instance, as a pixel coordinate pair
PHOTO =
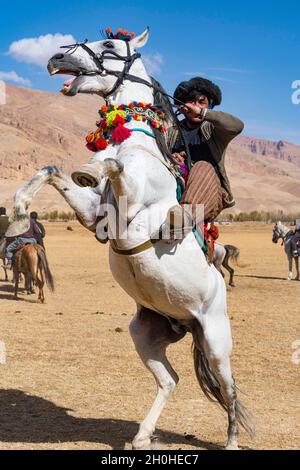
(72, 379)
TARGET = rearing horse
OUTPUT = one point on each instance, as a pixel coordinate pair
(170, 281)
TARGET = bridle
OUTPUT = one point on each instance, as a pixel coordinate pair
(112, 55)
(123, 75)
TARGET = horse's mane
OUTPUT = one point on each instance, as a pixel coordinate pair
(166, 141)
(161, 100)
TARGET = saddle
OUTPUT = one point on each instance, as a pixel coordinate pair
(20, 247)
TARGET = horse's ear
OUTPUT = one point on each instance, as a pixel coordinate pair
(140, 40)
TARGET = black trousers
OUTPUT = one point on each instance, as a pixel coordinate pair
(295, 240)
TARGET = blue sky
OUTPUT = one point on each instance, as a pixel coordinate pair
(251, 50)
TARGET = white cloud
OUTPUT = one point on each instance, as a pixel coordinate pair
(38, 51)
(228, 69)
(14, 77)
(194, 74)
(153, 63)
(223, 79)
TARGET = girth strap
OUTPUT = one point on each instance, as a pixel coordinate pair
(136, 250)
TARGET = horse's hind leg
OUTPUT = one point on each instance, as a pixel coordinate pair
(297, 268)
(229, 269)
(151, 334)
(40, 284)
(214, 374)
(16, 279)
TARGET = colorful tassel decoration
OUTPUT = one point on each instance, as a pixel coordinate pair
(120, 134)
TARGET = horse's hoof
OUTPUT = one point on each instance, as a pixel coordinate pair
(141, 444)
(232, 285)
(232, 447)
(113, 167)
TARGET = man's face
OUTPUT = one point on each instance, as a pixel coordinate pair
(192, 109)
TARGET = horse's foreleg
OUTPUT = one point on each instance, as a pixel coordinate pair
(5, 271)
(129, 192)
(84, 201)
(125, 188)
(19, 220)
(151, 334)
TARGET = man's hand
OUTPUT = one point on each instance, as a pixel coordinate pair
(192, 110)
(178, 158)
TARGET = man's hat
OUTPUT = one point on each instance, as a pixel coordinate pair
(189, 90)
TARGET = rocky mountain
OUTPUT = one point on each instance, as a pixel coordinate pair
(39, 128)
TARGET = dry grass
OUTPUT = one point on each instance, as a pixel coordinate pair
(72, 381)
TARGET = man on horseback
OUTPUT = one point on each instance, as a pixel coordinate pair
(295, 241)
(13, 243)
(207, 133)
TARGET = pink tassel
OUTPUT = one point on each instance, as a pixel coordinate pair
(120, 134)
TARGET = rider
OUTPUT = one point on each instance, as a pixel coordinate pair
(207, 133)
(3, 221)
(295, 240)
(42, 232)
(24, 239)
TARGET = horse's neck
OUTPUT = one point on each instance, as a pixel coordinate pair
(285, 230)
(131, 91)
(128, 92)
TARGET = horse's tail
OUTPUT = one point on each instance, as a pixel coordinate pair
(45, 268)
(210, 385)
(233, 253)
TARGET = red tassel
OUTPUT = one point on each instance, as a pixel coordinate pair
(120, 134)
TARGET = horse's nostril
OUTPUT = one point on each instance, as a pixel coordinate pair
(58, 56)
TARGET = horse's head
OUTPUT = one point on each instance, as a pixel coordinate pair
(99, 67)
(278, 232)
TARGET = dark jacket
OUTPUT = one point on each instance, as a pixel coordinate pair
(42, 233)
(218, 130)
(3, 225)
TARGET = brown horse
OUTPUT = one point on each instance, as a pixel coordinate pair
(31, 261)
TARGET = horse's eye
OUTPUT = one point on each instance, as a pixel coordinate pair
(108, 44)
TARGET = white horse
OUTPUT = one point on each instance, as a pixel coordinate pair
(171, 282)
(285, 233)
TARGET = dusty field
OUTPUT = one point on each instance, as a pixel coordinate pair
(72, 382)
